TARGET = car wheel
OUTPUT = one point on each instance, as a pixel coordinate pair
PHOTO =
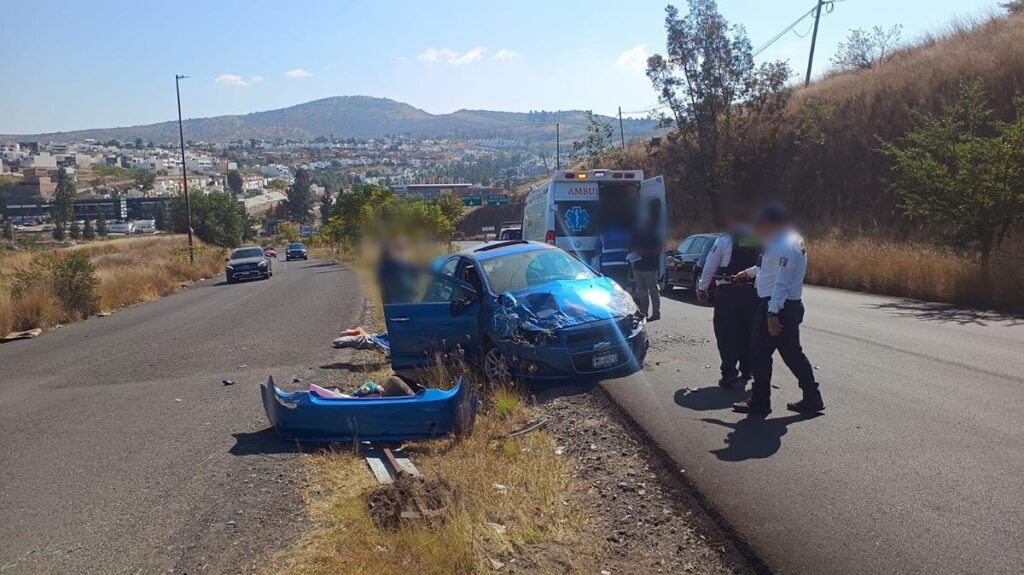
(495, 367)
(695, 280)
(230, 281)
(664, 286)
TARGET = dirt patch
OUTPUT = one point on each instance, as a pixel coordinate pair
(409, 500)
(643, 523)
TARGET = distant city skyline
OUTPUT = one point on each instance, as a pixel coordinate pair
(111, 63)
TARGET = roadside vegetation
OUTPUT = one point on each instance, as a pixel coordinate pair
(46, 288)
(912, 153)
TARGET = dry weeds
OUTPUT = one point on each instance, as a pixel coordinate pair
(130, 270)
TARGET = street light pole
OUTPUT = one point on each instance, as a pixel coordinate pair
(184, 171)
(814, 40)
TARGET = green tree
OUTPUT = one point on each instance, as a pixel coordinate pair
(8, 232)
(88, 232)
(963, 170)
(144, 180)
(300, 196)
(326, 205)
(715, 94)
(867, 49)
(101, 225)
(217, 218)
(74, 230)
(1014, 6)
(278, 184)
(63, 204)
(598, 143)
(138, 143)
(235, 183)
(74, 282)
(288, 232)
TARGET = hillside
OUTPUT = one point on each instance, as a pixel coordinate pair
(352, 116)
(823, 159)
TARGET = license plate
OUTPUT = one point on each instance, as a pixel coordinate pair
(602, 360)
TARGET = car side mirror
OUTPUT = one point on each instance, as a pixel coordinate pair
(459, 305)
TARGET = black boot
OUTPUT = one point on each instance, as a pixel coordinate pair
(810, 404)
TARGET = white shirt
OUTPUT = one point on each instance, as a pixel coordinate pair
(783, 266)
(719, 256)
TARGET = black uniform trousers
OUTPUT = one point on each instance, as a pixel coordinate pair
(763, 346)
(735, 306)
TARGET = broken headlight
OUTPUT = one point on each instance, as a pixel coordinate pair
(539, 337)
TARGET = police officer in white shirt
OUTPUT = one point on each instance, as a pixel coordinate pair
(779, 282)
(735, 302)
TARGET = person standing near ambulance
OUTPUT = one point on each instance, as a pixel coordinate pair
(779, 283)
(735, 302)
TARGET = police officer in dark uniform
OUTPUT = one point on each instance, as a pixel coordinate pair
(735, 301)
(779, 283)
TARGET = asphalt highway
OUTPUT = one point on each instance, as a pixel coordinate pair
(123, 452)
(917, 465)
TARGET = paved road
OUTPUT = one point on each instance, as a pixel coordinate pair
(122, 451)
(916, 467)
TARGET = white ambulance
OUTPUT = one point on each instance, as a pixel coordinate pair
(572, 208)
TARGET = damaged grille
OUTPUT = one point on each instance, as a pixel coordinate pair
(606, 331)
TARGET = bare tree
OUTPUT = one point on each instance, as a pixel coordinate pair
(867, 49)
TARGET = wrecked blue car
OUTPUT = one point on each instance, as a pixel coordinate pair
(520, 310)
(308, 417)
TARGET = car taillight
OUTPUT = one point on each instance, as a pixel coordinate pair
(549, 237)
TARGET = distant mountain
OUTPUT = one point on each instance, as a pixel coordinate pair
(358, 117)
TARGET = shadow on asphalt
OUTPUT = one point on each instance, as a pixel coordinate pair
(708, 398)
(262, 442)
(359, 367)
(684, 295)
(941, 312)
(754, 437)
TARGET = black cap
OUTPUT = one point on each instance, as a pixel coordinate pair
(773, 213)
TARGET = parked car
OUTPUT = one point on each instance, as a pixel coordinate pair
(270, 252)
(296, 251)
(248, 263)
(684, 264)
(518, 309)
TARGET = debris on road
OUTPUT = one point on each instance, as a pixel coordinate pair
(27, 334)
(409, 499)
(228, 382)
(530, 427)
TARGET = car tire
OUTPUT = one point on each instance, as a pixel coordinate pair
(230, 281)
(494, 366)
(665, 287)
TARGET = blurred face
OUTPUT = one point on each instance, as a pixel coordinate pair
(767, 229)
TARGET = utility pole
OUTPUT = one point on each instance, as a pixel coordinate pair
(558, 150)
(622, 135)
(814, 39)
(184, 171)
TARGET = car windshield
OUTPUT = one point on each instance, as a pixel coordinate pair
(521, 270)
(246, 253)
(296, 246)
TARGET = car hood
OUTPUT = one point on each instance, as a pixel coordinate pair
(239, 261)
(565, 303)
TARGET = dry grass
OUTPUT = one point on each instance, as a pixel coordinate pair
(130, 270)
(914, 270)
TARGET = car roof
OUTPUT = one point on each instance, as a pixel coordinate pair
(490, 250)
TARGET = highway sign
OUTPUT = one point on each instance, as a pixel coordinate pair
(497, 200)
(472, 201)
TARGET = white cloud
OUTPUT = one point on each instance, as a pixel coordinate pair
(506, 54)
(633, 59)
(256, 79)
(230, 80)
(297, 73)
(452, 57)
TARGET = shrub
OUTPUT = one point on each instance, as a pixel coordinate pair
(74, 282)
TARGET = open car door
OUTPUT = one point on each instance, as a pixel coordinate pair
(652, 212)
(430, 315)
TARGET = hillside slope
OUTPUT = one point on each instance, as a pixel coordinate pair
(824, 159)
(353, 116)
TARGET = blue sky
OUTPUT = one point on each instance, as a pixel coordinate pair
(72, 65)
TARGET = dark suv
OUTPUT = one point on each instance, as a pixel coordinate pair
(295, 251)
(246, 263)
